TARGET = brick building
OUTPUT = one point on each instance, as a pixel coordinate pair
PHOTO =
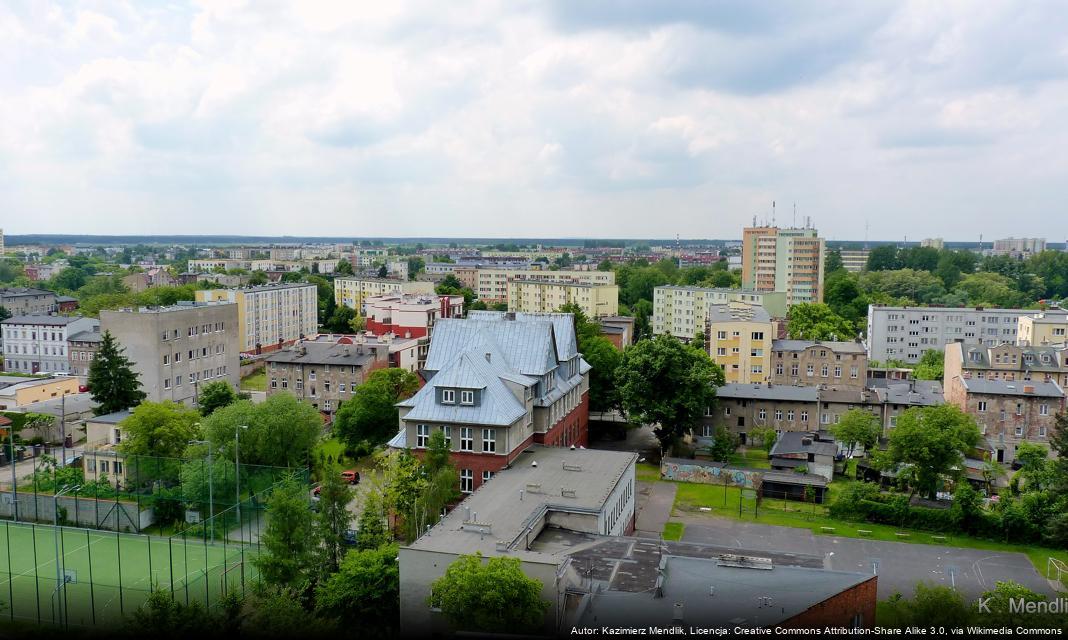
(1008, 412)
(1007, 361)
(807, 362)
(324, 373)
(409, 315)
(496, 384)
(81, 350)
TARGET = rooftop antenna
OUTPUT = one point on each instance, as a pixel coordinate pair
(678, 251)
(773, 213)
(754, 220)
(794, 222)
(866, 225)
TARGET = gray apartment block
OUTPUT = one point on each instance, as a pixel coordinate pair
(904, 333)
(25, 301)
(175, 350)
(38, 343)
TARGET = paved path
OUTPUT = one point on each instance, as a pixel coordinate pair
(900, 565)
(655, 500)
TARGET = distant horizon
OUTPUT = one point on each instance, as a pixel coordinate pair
(227, 239)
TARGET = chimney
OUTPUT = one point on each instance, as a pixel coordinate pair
(676, 612)
(1029, 389)
(806, 441)
(489, 357)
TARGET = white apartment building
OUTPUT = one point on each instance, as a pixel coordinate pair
(272, 315)
(1019, 247)
(38, 343)
(492, 284)
(683, 311)
(352, 291)
(904, 333)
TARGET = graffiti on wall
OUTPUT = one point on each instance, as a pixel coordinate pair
(683, 472)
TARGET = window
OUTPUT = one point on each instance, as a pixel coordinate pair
(778, 414)
(790, 415)
(166, 359)
(118, 466)
(467, 397)
(467, 481)
(448, 396)
(804, 416)
(422, 436)
(489, 441)
(1043, 409)
(1019, 431)
(758, 335)
(467, 439)
(793, 369)
(166, 383)
(721, 335)
(177, 381)
(1019, 408)
(838, 372)
(982, 406)
(763, 413)
(486, 475)
(778, 369)
(448, 436)
(311, 376)
(823, 371)
(727, 411)
(810, 370)
(341, 387)
(852, 372)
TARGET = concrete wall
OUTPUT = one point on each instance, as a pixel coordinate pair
(81, 512)
(682, 472)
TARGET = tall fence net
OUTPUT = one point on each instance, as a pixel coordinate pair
(83, 547)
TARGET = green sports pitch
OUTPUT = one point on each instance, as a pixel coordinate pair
(105, 576)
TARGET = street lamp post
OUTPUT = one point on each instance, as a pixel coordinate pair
(211, 485)
(237, 474)
(61, 581)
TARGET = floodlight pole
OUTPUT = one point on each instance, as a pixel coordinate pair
(61, 581)
(211, 485)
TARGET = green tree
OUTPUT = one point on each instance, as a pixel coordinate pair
(383, 271)
(668, 384)
(1058, 442)
(604, 360)
(930, 605)
(371, 415)
(816, 321)
(930, 366)
(833, 262)
(163, 616)
(843, 295)
(344, 268)
(113, 385)
(767, 437)
(492, 596)
(258, 277)
(930, 442)
(858, 426)
(724, 444)
(341, 320)
(1034, 465)
(161, 429)
(215, 395)
(372, 531)
(365, 591)
(196, 472)
(967, 507)
(883, 258)
(333, 519)
(288, 540)
(281, 430)
(279, 612)
(902, 284)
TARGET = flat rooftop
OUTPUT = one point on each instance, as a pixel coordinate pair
(502, 508)
(717, 593)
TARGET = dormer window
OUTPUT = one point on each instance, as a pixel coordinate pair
(448, 396)
(467, 397)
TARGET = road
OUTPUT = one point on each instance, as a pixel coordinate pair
(899, 565)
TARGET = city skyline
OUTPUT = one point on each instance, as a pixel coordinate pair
(509, 120)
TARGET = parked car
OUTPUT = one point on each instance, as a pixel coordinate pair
(351, 476)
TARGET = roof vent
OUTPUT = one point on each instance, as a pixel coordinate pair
(567, 493)
(489, 357)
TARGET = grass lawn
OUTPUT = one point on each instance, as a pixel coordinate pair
(647, 472)
(691, 498)
(673, 530)
(751, 459)
(255, 382)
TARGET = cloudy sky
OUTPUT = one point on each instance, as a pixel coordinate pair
(569, 118)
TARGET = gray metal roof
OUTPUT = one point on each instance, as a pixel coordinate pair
(111, 418)
(527, 347)
(810, 479)
(786, 393)
(1013, 388)
(715, 593)
(833, 346)
(87, 336)
(43, 320)
(925, 393)
(18, 292)
(497, 406)
(793, 442)
(324, 353)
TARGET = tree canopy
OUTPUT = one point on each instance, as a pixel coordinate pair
(929, 444)
(370, 415)
(816, 321)
(215, 395)
(112, 383)
(858, 426)
(281, 430)
(161, 429)
(664, 382)
(489, 595)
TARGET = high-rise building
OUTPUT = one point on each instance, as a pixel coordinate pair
(270, 316)
(933, 243)
(790, 260)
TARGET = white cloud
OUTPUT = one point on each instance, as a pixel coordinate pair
(499, 118)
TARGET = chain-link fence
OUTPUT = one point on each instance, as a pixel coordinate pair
(85, 544)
